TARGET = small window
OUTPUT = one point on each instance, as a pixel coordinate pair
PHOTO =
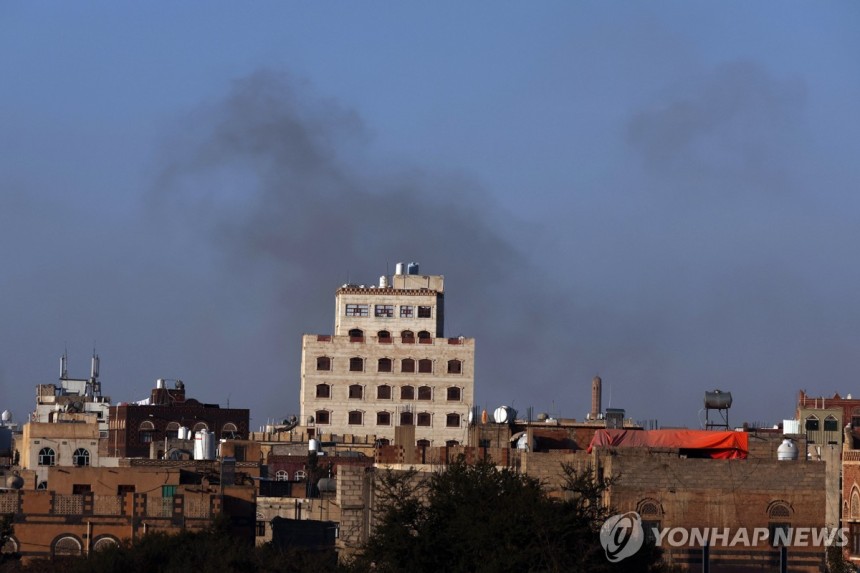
(407, 337)
(356, 391)
(455, 367)
(451, 443)
(229, 431)
(261, 529)
(407, 365)
(424, 337)
(383, 311)
(67, 545)
(424, 419)
(425, 312)
(383, 336)
(425, 393)
(42, 485)
(407, 311)
(407, 393)
(423, 443)
(425, 365)
(323, 363)
(383, 419)
(322, 417)
(323, 391)
(146, 432)
(300, 475)
(172, 431)
(384, 365)
(356, 418)
(812, 424)
(47, 457)
(356, 335)
(383, 392)
(830, 424)
(356, 364)
(453, 394)
(452, 420)
(356, 310)
(123, 489)
(406, 418)
(81, 488)
(282, 475)
(81, 458)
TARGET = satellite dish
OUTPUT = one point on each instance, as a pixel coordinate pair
(310, 419)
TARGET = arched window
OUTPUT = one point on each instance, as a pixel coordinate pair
(453, 394)
(423, 443)
(455, 367)
(831, 424)
(452, 421)
(356, 364)
(407, 337)
(10, 547)
(652, 515)
(145, 432)
(451, 443)
(301, 474)
(356, 391)
(779, 522)
(855, 504)
(229, 431)
(47, 457)
(356, 418)
(323, 391)
(383, 418)
(200, 426)
(383, 336)
(407, 393)
(323, 363)
(405, 418)
(425, 365)
(81, 458)
(322, 417)
(424, 419)
(356, 335)
(424, 337)
(812, 423)
(407, 365)
(67, 545)
(282, 475)
(383, 392)
(425, 393)
(384, 365)
(105, 542)
(42, 485)
(172, 430)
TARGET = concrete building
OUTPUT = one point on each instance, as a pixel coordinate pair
(71, 441)
(388, 364)
(144, 429)
(73, 395)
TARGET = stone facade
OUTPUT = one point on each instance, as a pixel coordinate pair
(388, 364)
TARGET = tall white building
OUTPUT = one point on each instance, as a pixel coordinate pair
(389, 364)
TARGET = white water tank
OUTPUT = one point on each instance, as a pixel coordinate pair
(204, 445)
(313, 445)
(787, 451)
(504, 415)
(159, 383)
(184, 433)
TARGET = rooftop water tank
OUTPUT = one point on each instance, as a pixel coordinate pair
(204, 445)
(787, 451)
(790, 427)
(412, 269)
(504, 415)
(399, 269)
(718, 400)
(14, 481)
(313, 445)
(6, 415)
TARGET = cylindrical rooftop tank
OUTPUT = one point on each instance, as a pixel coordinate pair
(383, 281)
(14, 481)
(184, 433)
(204, 445)
(159, 383)
(6, 415)
(313, 445)
(787, 451)
(327, 484)
(504, 415)
(718, 400)
(399, 269)
(412, 269)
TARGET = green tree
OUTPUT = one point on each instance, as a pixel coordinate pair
(480, 518)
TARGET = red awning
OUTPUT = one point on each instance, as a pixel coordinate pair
(722, 445)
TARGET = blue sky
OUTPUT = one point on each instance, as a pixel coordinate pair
(663, 193)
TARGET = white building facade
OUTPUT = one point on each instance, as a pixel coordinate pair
(389, 364)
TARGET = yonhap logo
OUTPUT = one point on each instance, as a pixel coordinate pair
(621, 536)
